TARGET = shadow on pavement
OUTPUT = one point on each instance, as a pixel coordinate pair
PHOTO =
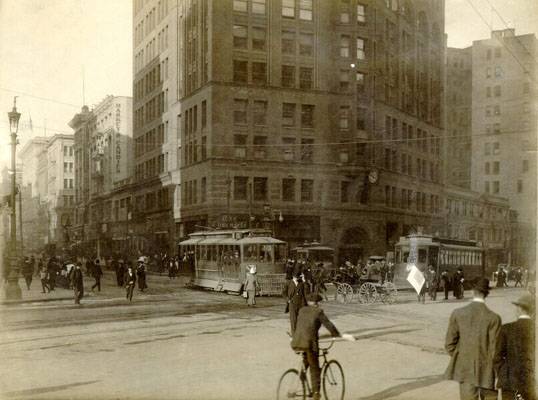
(42, 390)
(417, 383)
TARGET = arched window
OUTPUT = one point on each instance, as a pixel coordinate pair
(436, 32)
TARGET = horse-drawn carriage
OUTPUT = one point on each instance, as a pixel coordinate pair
(368, 285)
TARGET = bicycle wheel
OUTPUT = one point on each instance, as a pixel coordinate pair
(333, 381)
(290, 386)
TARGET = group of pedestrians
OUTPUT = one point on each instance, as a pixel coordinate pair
(444, 281)
(485, 355)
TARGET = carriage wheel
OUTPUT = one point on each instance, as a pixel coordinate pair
(367, 293)
(344, 293)
(389, 293)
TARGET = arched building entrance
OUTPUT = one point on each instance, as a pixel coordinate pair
(353, 245)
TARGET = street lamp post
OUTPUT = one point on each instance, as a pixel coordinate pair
(13, 290)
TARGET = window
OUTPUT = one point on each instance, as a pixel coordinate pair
(307, 190)
(486, 168)
(240, 111)
(288, 42)
(288, 189)
(240, 5)
(498, 72)
(487, 149)
(240, 36)
(288, 76)
(488, 111)
(344, 14)
(66, 150)
(259, 73)
(204, 148)
(488, 91)
(289, 149)
(288, 114)
(258, 38)
(525, 165)
(486, 187)
(496, 187)
(497, 91)
(305, 77)
(307, 150)
(497, 109)
(344, 80)
(65, 167)
(240, 187)
(359, 77)
(497, 52)
(240, 72)
(203, 190)
(240, 146)
(305, 10)
(344, 46)
(307, 116)
(488, 72)
(496, 148)
(260, 143)
(260, 112)
(361, 55)
(520, 186)
(306, 44)
(288, 8)
(344, 191)
(526, 87)
(260, 189)
(361, 118)
(204, 116)
(496, 167)
(343, 118)
(361, 13)
(488, 54)
(258, 6)
(496, 128)
(66, 184)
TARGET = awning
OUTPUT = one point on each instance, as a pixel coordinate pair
(190, 241)
(260, 240)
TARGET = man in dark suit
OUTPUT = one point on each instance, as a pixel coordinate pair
(514, 357)
(306, 338)
(471, 340)
(295, 292)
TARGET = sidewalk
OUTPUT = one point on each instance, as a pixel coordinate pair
(158, 285)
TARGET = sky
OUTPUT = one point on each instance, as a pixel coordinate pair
(48, 46)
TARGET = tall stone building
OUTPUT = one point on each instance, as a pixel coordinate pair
(321, 120)
(458, 117)
(32, 155)
(504, 126)
(155, 185)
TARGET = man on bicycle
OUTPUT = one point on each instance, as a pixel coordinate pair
(306, 339)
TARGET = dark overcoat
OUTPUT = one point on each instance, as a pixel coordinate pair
(309, 321)
(514, 357)
(471, 341)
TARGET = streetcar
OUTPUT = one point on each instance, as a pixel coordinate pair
(221, 258)
(441, 253)
(316, 253)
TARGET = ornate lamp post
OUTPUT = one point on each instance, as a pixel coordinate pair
(13, 290)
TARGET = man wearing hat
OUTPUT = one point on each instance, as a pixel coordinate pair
(97, 272)
(306, 337)
(514, 358)
(471, 340)
(295, 293)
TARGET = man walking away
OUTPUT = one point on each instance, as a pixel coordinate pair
(471, 340)
(44, 276)
(306, 338)
(445, 281)
(141, 273)
(514, 357)
(51, 269)
(77, 282)
(130, 281)
(97, 272)
(27, 272)
(518, 275)
(433, 283)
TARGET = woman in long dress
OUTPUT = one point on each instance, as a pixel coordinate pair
(251, 285)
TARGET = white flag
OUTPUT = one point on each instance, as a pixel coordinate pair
(415, 278)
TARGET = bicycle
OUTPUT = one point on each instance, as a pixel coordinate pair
(294, 384)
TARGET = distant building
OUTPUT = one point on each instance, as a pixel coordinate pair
(458, 117)
(60, 188)
(32, 155)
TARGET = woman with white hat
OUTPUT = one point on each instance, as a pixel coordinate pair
(251, 285)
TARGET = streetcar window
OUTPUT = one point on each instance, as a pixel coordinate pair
(266, 251)
(197, 249)
(405, 256)
(280, 252)
(251, 252)
(422, 255)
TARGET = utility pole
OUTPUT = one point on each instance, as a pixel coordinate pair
(20, 217)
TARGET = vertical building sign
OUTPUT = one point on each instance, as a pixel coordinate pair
(118, 137)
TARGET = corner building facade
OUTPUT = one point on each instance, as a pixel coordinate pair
(321, 120)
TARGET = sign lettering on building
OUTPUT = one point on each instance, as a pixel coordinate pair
(118, 137)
